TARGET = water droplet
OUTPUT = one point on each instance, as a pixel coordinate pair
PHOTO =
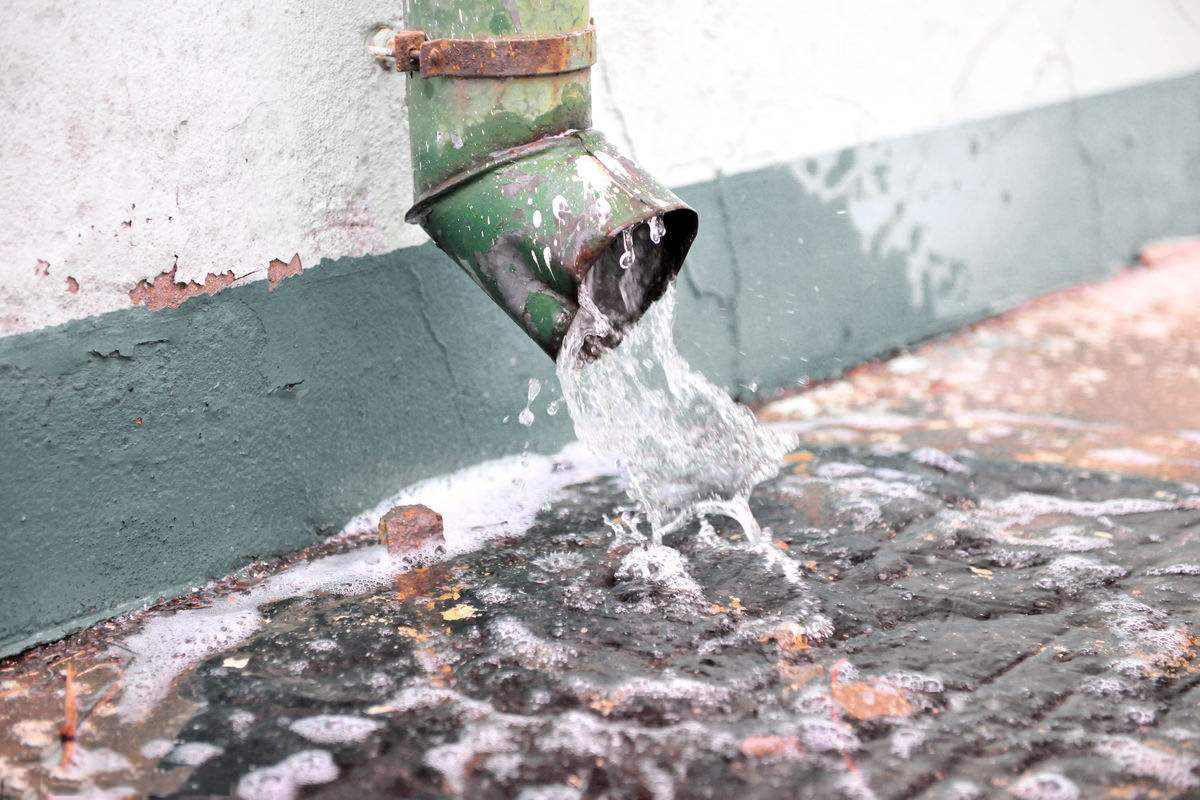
(658, 229)
(628, 259)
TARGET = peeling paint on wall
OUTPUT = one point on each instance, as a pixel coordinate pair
(165, 292)
(279, 271)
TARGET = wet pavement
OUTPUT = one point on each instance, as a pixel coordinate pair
(1104, 376)
(961, 600)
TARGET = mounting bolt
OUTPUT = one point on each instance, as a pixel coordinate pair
(381, 45)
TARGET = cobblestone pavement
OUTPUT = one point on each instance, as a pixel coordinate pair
(1104, 376)
(961, 599)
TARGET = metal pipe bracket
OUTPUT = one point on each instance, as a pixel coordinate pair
(494, 57)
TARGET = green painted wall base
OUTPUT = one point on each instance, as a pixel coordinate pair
(144, 452)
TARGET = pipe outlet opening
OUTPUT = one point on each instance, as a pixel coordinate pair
(634, 270)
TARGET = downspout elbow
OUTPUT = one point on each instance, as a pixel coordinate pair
(510, 179)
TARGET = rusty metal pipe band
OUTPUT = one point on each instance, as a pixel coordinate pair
(495, 57)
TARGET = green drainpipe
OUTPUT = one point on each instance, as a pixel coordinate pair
(510, 180)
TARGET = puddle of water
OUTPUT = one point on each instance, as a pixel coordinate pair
(493, 500)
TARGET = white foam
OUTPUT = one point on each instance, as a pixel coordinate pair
(494, 595)
(834, 470)
(666, 570)
(858, 493)
(1140, 714)
(193, 754)
(1125, 455)
(495, 499)
(240, 721)
(1135, 758)
(1145, 635)
(865, 421)
(915, 682)
(556, 791)
(581, 734)
(168, 645)
(1067, 538)
(511, 638)
(1175, 569)
(415, 697)
(932, 457)
(484, 731)
(666, 686)
(86, 762)
(907, 739)
(814, 626)
(560, 561)
(1045, 786)
(853, 786)
(821, 734)
(335, 728)
(1027, 506)
(1071, 573)
(284, 780)
(962, 790)
(156, 748)
(1105, 687)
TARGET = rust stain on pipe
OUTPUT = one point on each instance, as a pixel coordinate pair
(497, 57)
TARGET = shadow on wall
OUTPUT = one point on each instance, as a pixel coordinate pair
(144, 452)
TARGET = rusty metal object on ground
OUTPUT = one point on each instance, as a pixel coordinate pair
(509, 179)
(405, 528)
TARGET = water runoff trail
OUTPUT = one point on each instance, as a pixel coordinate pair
(687, 448)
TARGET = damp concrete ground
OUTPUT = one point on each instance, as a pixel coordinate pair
(984, 581)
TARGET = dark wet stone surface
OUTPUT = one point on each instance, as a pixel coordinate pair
(981, 629)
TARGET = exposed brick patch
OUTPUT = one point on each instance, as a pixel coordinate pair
(42, 267)
(165, 292)
(1168, 251)
(278, 271)
(72, 285)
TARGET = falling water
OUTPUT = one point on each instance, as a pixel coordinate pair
(688, 449)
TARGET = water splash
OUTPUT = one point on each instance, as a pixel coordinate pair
(526, 415)
(687, 448)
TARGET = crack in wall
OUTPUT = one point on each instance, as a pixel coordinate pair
(447, 360)
(618, 114)
(733, 323)
(1090, 165)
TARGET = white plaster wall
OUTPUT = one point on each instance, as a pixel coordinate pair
(217, 136)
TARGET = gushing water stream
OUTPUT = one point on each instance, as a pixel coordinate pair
(688, 449)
